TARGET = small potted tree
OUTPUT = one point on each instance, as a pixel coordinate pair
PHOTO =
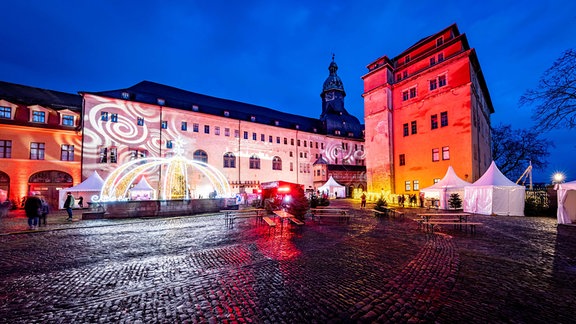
(454, 202)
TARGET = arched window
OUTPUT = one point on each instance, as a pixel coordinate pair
(254, 162)
(200, 156)
(229, 160)
(276, 163)
(52, 176)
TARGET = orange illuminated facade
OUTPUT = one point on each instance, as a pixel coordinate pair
(426, 109)
(40, 142)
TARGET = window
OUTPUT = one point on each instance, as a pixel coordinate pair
(402, 159)
(405, 95)
(337, 132)
(407, 185)
(114, 118)
(68, 120)
(434, 121)
(416, 184)
(291, 166)
(436, 180)
(432, 61)
(5, 112)
(276, 163)
(398, 77)
(37, 151)
(254, 136)
(291, 154)
(104, 116)
(270, 139)
(435, 155)
(433, 84)
(245, 135)
(169, 144)
(102, 154)
(113, 154)
(262, 138)
(404, 74)
(216, 130)
(413, 92)
(5, 149)
(285, 141)
(201, 156)
(236, 133)
(140, 121)
(439, 41)
(440, 57)
(405, 126)
(226, 113)
(441, 80)
(444, 119)
(254, 162)
(445, 153)
(414, 127)
(138, 154)
(407, 59)
(227, 132)
(38, 116)
(206, 129)
(277, 139)
(164, 124)
(195, 128)
(298, 142)
(67, 152)
(229, 160)
(184, 126)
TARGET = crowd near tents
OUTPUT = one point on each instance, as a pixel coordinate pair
(333, 189)
(88, 188)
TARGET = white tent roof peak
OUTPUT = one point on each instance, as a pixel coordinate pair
(332, 183)
(450, 180)
(142, 185)
(494, 177)
(93, 183)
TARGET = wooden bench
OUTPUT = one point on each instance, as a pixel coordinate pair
(340, 217)
(434, 224)
(379, 213)
(296, 221)
(269, 221)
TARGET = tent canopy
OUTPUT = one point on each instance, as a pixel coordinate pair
(90, 187)
(442, 189)
(333, 188)
(566, 213)
(494, 194)
(142, 191)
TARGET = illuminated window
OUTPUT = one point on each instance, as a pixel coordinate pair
(253, 118)
(227, 132)
(407, 185)
(436, 180)
(125, 95)
(262, 138)
(229, 160)
(405, 128)
(140, 121)
(441, 80)
(104, 116)
(277, 139)
(435, 155)
(138, 154)
(5, 149)
(195, 107)
(276, 163)
(216, 130)
(164, 124)
(413, 92)
(37, 151)
(68, 120)
(67, 152)
(114, 118)
(416, 184)
(102, 154)
(434, 121)
(5, 112)
(38, 116)
(161, 101)
(226, 113)
(184, 126)
(433, 84)
(236, 133)
(414, 127)
(445, 153)
(245, 135)
(337, 132)
(169, 144)
(201, 156)
(405, 95)
(254, 136)
(113, 154)
(195, 128)
(206, 129)
(270, 139)
(254, 162)
(402, 159)
(444, 119)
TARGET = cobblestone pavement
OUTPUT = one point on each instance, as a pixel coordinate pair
(198, 269)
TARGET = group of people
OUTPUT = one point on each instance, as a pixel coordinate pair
(37, 209)
(412, 200)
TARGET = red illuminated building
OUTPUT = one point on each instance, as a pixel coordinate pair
(426, 109)
(39, 141)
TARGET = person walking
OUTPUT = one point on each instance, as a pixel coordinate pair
(68, 205)
(33, 209)
(44, 213)
(363, 204)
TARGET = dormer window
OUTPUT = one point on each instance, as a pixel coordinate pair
(315, 130)
(226, 113)
(67, 120)
(195, 107)
(336, 132)
(350, 134)
(5, 112)
(125, 95)
(38, 116)
(439, 41)
(277, 123)
(161, 101)
(297, 126)
(253, 118)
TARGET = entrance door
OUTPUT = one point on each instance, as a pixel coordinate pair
(48, 184)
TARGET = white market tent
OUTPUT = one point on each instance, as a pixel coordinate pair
(442, 189)
(494, 194)
(333, 188)
(142, 191)
(88, 188)
(566, 202)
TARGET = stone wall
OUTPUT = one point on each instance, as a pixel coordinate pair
(153, 208)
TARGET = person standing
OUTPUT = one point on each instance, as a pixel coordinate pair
(44, 213)
(33, 209)
(363, 204)
(68, 205)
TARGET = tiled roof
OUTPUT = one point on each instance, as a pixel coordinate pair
(26, 95)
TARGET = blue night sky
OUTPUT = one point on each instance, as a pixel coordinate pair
(276, 53)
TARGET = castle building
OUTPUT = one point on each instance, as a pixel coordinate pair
(248, 144)
(40, 142)
(424, 110)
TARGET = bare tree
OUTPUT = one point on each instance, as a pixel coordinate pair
(512, 150)
(555, 96)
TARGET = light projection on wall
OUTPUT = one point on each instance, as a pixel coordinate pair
(338, 154)
(180, 178)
